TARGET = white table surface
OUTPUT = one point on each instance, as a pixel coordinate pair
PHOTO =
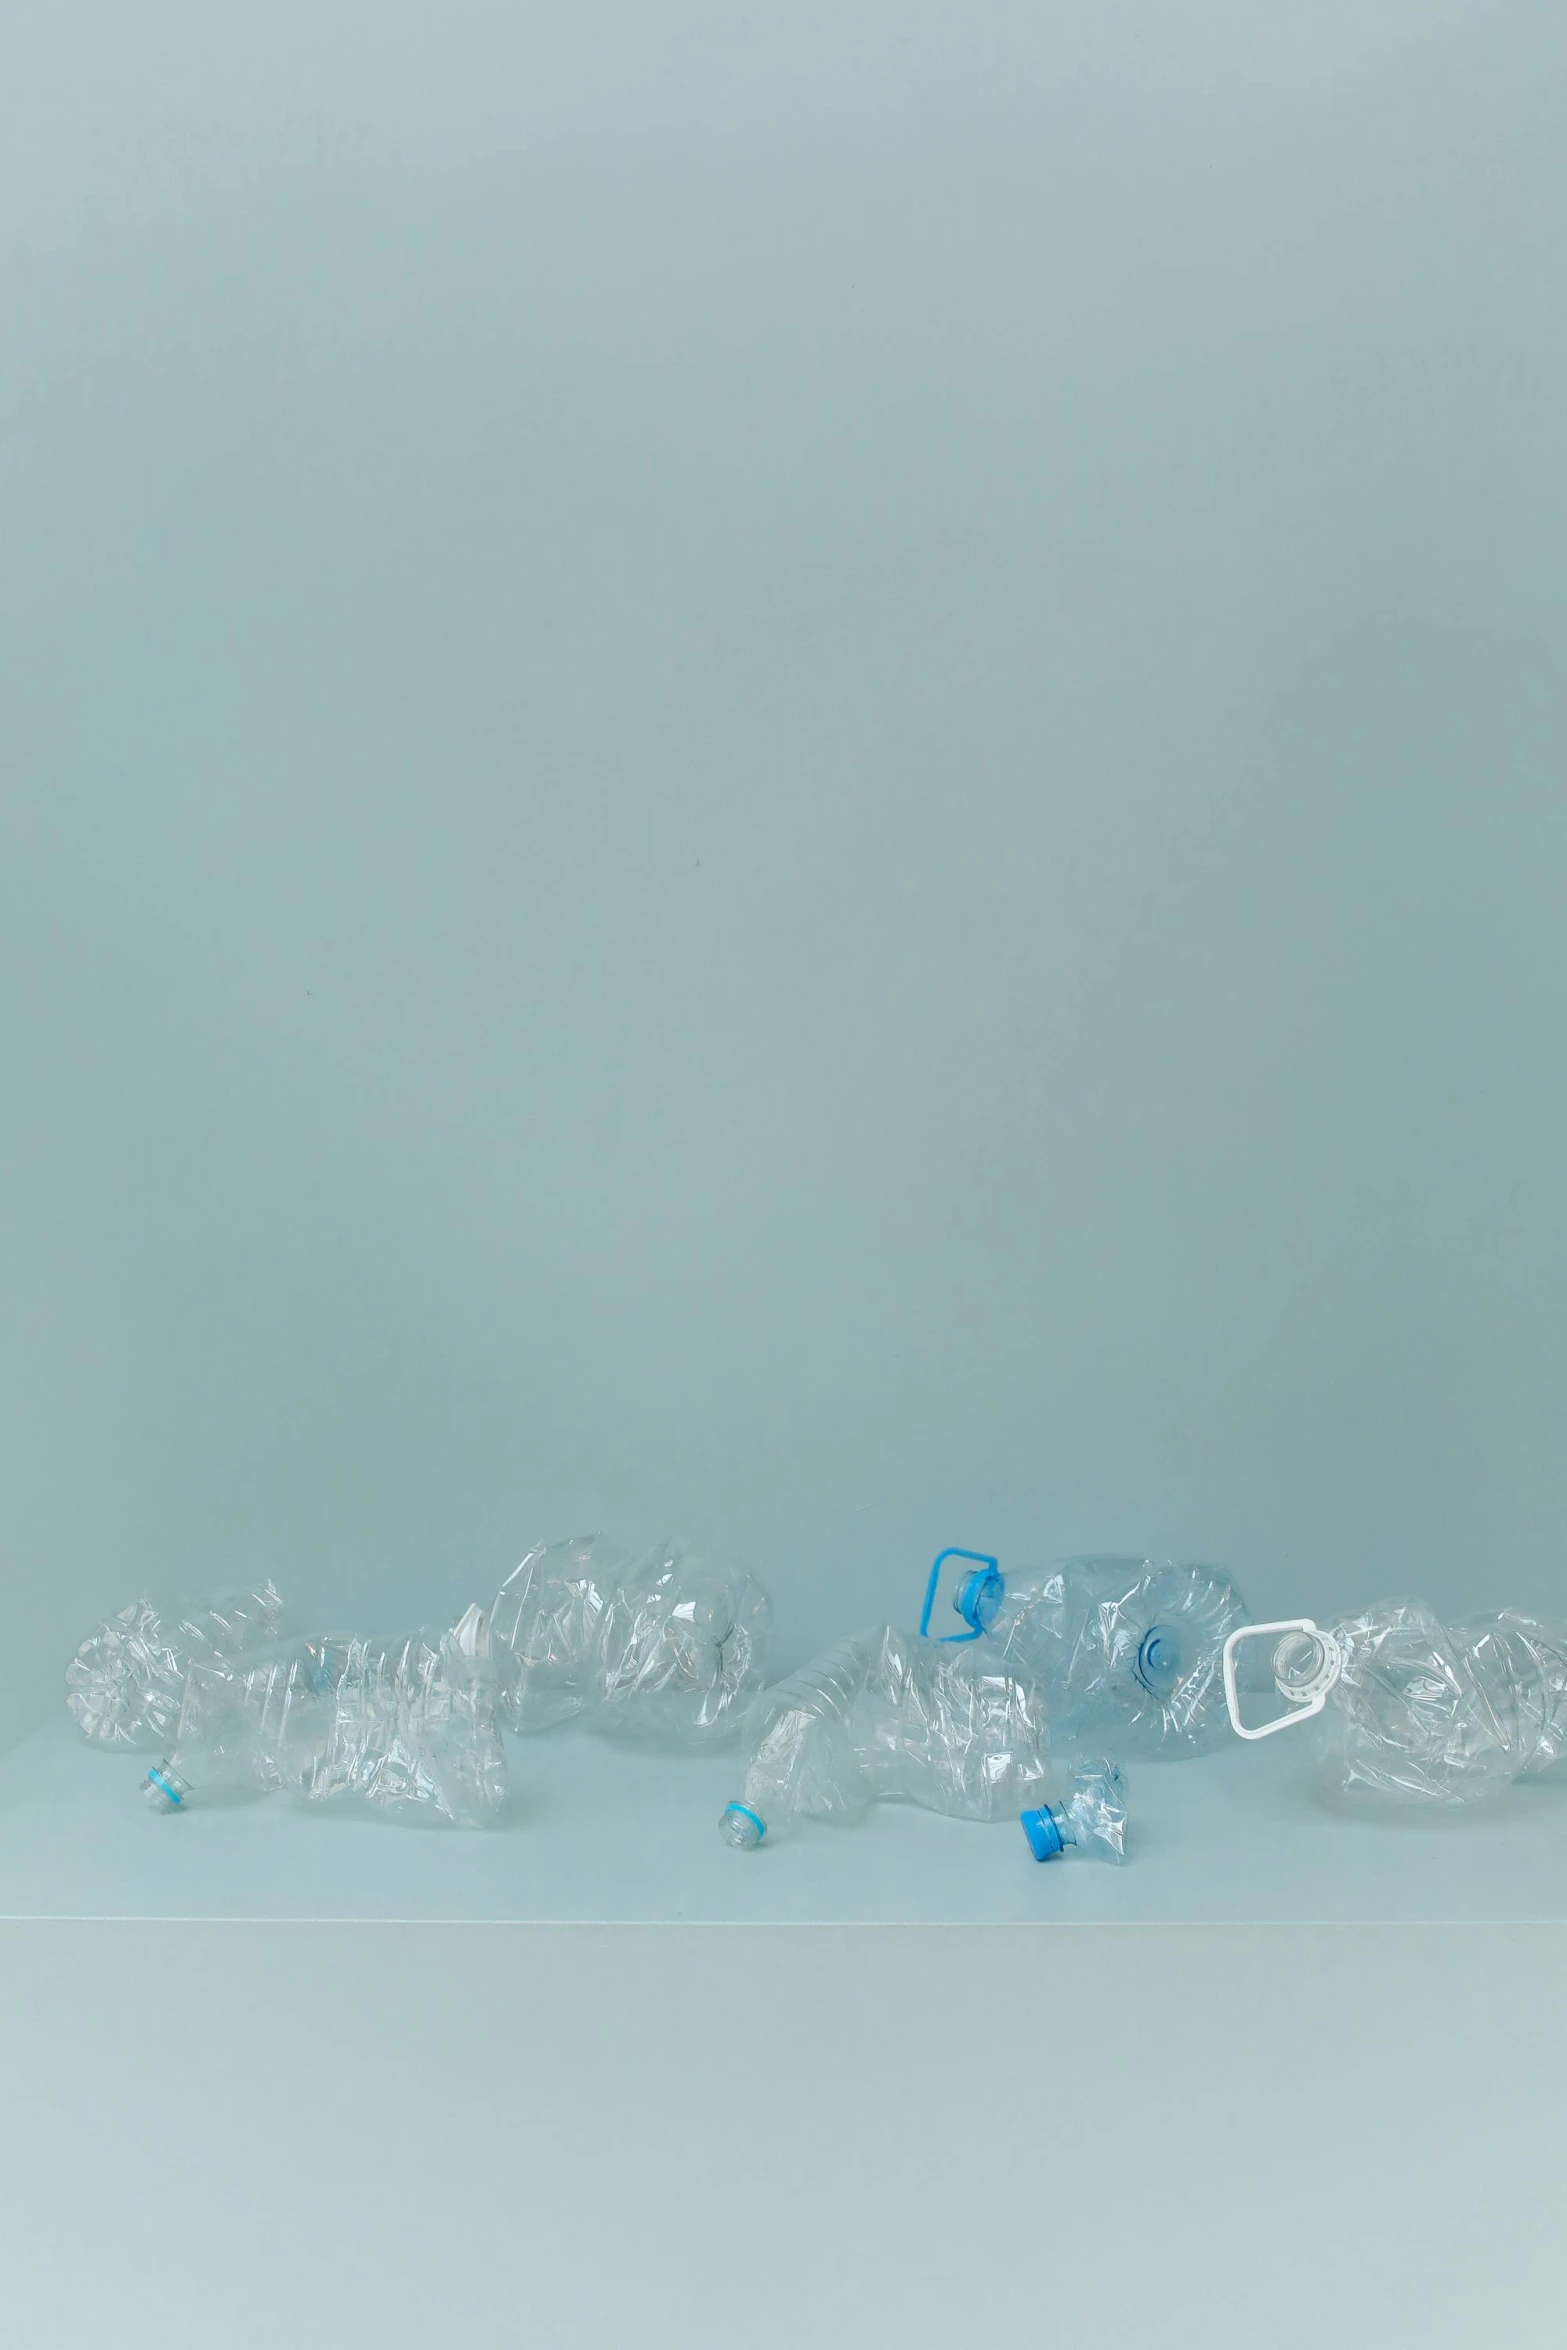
(1235, 2136)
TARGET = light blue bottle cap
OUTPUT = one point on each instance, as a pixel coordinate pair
(742, 1827)
(1044, 1837)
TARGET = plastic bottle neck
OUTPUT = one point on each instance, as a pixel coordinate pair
(979, 1598)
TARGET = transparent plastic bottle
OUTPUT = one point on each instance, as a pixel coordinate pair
(407, 1726)
(1091, 1820)
(879, 1717)
(803, 1759)
(218, 1753)
(1521, 1666)
(125, 1684)
(545, 1625)
(1129, 1650)
(1408, 1711)
(290, 1699)
(414, 1728)
(681, 1649)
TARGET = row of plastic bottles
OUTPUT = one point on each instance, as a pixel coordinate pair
(1032, 1709)
(1056, 1677)
(1163, 1660)
(669, 1647)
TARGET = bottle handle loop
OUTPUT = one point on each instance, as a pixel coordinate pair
(1303, 1697)
(976, 1599)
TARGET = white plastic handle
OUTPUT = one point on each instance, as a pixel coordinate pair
(1303, 1703)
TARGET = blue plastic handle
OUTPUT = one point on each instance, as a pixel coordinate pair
(981, 1558)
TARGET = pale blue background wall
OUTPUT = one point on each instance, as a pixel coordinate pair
(796, 771)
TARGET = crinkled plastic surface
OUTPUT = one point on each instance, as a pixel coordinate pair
(126, 1682)
(408, 1726)
(218, 1750)
(803, 1760)
(881, 1717)
(681, 1649)
(949, 1731)
(545, 1625)
(1130, 1651)
(670, 1647)
(1096, 1809)
(1422, 1715)
(414, 1728)
(1521, 1667)
(290, 1702)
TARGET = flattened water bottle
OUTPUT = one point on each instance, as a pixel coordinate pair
(1406, 1710)
(681, 1649)
(124, 1685)
(880, 1717)
(545, 1625)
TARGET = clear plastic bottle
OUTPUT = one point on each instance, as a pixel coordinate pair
(290, 1699)
(804, 1762)
(125, 1684)
(879, 1717)
(1130, 1651)
(414, 1727)
(670, 1647)
(408, 1726)
(218, 1753)
(1408, 1711)
(1091, 1820)
(545, 1625)
(1521, 1666)
(682, 1648)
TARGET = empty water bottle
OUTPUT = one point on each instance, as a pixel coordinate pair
(125, 1683)
(804, 1759)
(1129, 1651)
(407, 1726)
(545, 1626)
(1521, 1666)
(682, 1648)
(1407, 1710)
(879, 1717)
(217, 1752)
(414, 1728)
(1091, 1819)
(669, 1648)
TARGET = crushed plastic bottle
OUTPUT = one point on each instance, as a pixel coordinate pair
(408, 1726)
(415, 1729)
(880, 1717)
(1129, 1650)
(253, 1725)
(217, 1753)
(1521, 1666)
(1091, 1820)
(545, 1626)
(670, 1648)
(1409, 1711)
(125, 1684)
(682, 1648)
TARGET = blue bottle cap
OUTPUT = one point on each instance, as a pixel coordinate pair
(979, 1598)
(741, 1826)
(1044, 1837)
